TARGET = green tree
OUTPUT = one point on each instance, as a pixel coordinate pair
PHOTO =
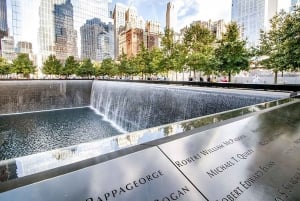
(52, 66)
(291, 39)
(108, 67)
(86, 68)
(132, 67)
(168, 48)
(23, 65)
(142, 60)
(127, 66)
(155, 56)
(272, 49)
(71, 65)
(199, 41)
(232, 55)
(179, 58)
(5, 67)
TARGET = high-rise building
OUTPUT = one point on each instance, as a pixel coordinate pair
(294, 4)
(253, 16)
(53, 26)
(134, 39)
(119, 22)
(131, 31)
(171, 16)
(65, 35)
(218, 28)
(89, 9)
(8, 49)
(97, 40)
(132, 20)
(26, 47)
(152, 30)
(3, 20)
(47, 38)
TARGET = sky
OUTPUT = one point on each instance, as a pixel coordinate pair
(187, 10)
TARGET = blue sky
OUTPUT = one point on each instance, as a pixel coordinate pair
(188, 10)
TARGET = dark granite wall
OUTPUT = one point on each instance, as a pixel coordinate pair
(37, 95)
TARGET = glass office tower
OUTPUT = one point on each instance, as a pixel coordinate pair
(253, 16)
(3, 20)
(53, 26)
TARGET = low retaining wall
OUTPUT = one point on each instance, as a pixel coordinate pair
(29, 96)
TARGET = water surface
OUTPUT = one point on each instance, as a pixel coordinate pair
(30, 133)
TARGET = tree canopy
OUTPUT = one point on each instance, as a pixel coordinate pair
(86, 68)
(23, 65)
(5, 67)
(231, 54)
(70, 67)
(52, 66)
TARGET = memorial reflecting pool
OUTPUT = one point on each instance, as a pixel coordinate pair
(124, 107)
(30, 133)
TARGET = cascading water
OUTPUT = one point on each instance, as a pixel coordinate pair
(139, 106)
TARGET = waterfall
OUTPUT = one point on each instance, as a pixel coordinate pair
(134, 106)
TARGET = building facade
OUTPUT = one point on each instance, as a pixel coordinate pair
(294, 3)
(152, 30)
(134, 39)
(171, 16)
(119, 16)
(131, 31)
(218, 28)
(253, 16)
(97, 40)
(53, 26)
(3, 20)
(65, 35)
(8, 48)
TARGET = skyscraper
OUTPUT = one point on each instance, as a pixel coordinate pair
(253, 16)
(218, 28)
(47, 27)
(53, 26)
(152, 31)
(65, 35)
(171, 16)
(294, 3)
(8, 50)
(3, 20)
(88, 9)
(119, 23)
(97, 40)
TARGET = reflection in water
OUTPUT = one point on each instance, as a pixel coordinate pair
(32, 133)
(8, 171)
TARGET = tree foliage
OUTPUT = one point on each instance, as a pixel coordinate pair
(109, 67)
(52, 66)
(86, 68)
(279, 48)
(70, 67)
(23, 65)
(5, 67)
(199, 40)
(231, 55)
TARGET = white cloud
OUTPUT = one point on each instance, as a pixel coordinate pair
(202, 10)
(208, 9)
